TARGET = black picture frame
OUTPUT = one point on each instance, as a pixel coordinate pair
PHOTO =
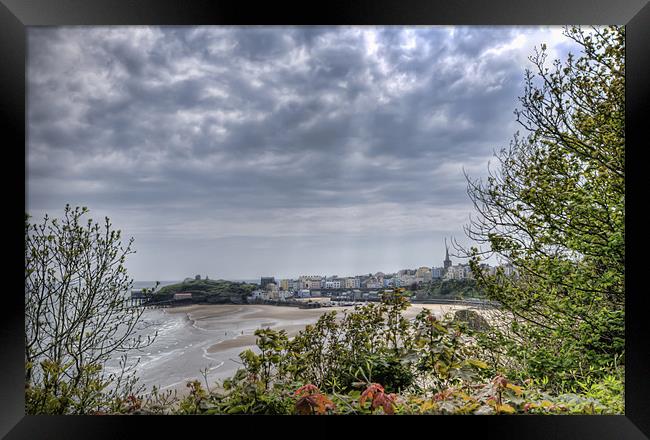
(16, 15)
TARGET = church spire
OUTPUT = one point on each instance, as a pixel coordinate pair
(447, 262)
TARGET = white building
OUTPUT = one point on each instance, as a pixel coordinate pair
(456, 272)
(333, 284)
(352, 283)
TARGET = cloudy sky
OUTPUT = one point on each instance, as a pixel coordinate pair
(240, 152)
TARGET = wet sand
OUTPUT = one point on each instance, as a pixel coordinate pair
(251, 311)
(208, 311)
(249, 340)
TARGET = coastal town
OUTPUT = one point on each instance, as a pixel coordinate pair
(439, 284)
(368, 286)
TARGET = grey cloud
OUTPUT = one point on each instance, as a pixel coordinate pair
(204, 120)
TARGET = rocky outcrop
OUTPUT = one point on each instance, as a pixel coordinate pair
(473, 319)
(207, 291)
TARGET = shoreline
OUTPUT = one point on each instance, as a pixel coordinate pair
(215, 334)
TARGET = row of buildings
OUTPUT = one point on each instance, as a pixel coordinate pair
(402, 278)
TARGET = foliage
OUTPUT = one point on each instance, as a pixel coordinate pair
(444, 356)
(446, 375)
(453, 289)
(332, 367)
(378, 399)
(76, 314)
(312, 401)
(214, 291)
(494, 396)
(555, 210)
(368, 342)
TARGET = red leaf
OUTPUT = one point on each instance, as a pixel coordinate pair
(307, 389)
(370, 392)
(315, 403)
(378, 397)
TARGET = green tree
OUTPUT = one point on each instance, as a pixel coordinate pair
(76, 314)
(555, 209)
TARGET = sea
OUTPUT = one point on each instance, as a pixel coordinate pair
(181, 350)
(197, 341)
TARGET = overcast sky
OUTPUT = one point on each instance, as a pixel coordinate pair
(240, 152)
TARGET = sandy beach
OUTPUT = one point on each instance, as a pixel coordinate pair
(209, 317)
(209, 338)
(277, 318)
